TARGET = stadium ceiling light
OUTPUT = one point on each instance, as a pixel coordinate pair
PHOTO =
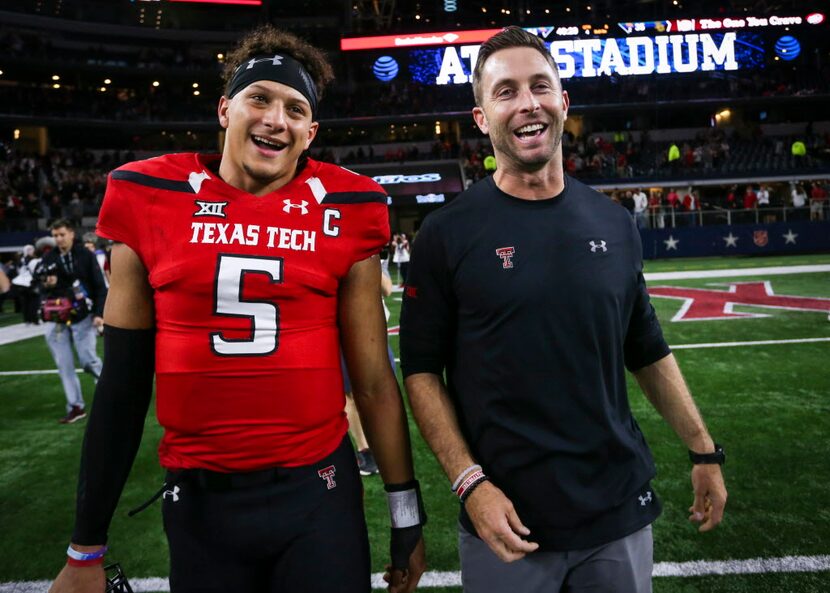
(483, 9)
(155, 83)
(107, 81)
(547, 11)
(197, 93)
(567, 9)
(1, 73)
(16, 134)
(588, 7)
(56, 86)
(220, 57)
(55, 77)
(103, 89)
(195, 85)
(417, 17)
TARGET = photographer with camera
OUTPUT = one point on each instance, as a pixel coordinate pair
(73, 292)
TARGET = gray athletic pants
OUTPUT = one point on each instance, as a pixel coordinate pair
(623, 565)
(61, 339)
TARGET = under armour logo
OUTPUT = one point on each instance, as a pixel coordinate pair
(288, 206)
(506, 255)
(327, 473)
(275, 61)
(594, 246)
(645, 499)
(174, 494)
(211, 209)
(195, 180)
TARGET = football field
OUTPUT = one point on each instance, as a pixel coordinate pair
(752, 336)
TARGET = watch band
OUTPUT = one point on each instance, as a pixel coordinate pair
(718, 457)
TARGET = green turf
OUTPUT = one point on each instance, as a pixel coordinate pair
(769, 405)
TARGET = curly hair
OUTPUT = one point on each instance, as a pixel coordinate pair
(267, 40)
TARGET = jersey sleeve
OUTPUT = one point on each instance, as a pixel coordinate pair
(429, 306)
(644, 341)
(119, 218)
(375, 231)
(365, 210)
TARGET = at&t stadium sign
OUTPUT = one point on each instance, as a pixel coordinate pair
(647, 48)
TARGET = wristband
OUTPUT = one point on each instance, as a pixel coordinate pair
(472, 487)
(461, 476)
(85, 563)
(718, 457)
(470, 483)
(86, 556)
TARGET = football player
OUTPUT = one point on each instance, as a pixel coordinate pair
(236, 279)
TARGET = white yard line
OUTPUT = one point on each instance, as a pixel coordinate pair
(771, 271)
(434, 579)
(20, 331)
(755, 343)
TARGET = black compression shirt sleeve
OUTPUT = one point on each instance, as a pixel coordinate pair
(114, 430)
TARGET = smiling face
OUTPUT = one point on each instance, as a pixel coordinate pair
(268, 127)
(523, 108)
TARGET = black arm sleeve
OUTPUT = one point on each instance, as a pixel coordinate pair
(114, 430)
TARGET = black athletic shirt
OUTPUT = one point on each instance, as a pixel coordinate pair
(535, 309)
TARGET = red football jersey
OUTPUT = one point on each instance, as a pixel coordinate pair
(247, 343)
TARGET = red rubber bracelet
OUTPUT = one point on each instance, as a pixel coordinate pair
(84, 563)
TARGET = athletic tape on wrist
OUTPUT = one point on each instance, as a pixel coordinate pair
(403, 508)
(461, 476)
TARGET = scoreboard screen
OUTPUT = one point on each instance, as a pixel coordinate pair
(628, 49)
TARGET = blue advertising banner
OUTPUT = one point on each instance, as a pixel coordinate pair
(742, 239)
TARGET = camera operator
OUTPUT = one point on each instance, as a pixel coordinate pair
(72, 307)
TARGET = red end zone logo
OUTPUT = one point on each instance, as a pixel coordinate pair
(701, 304)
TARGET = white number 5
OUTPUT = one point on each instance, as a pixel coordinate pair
(264, 315)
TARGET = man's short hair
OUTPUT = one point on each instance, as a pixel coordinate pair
(62, 223)
(90, 237)
(269, 40)
(508, 37)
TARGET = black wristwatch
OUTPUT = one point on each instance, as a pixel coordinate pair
(718, 457)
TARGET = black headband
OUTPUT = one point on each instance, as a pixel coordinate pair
(278, 68)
